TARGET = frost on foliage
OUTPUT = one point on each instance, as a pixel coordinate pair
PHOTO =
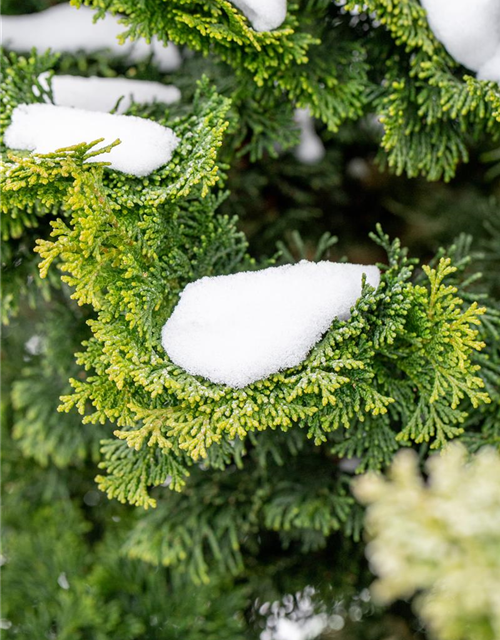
(470, 31)
(441, 539)
(265, 15)
(103, 94)
(310, 149)
(65, 29)
(42, 128)
(241, 328)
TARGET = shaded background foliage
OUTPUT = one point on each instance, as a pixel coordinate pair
(76, 564)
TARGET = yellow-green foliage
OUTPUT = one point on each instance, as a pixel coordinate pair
(277, 61)
(262, 502)
(405, 368)
(440, 538)
(430, 107)
(321, 58)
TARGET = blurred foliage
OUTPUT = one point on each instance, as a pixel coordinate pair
(440, 539)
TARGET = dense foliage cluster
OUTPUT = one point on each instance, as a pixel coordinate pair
(325, 57)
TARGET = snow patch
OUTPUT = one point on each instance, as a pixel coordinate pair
(240, 328)
(470, 31)
(62, 581)
(102, 94)
(310, 149)
(491, 70)
(65, 29)
(298, 617)
(43, 128)
(34, 346)
(264, 15)
(309, 629)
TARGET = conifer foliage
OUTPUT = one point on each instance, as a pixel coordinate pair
(462, 559)
(238, 496)
(321, 58)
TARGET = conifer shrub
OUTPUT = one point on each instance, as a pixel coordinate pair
(141, 487)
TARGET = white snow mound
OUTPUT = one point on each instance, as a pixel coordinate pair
(310, 148)
(264, 15)
(65, 29)
(491, 70)
(102, 94)
(470, 31)
(240, 328)
(44, 128)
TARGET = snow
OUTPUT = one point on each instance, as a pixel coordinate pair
(43, 128)
(166, 57)
(310, 149)
(62, 581)
(470, 31)
(298, 617)
(65, 29)
(34, 346)
(304, 630)
(264, 15)
(240, 328)
(491, 70)
(102, 94)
